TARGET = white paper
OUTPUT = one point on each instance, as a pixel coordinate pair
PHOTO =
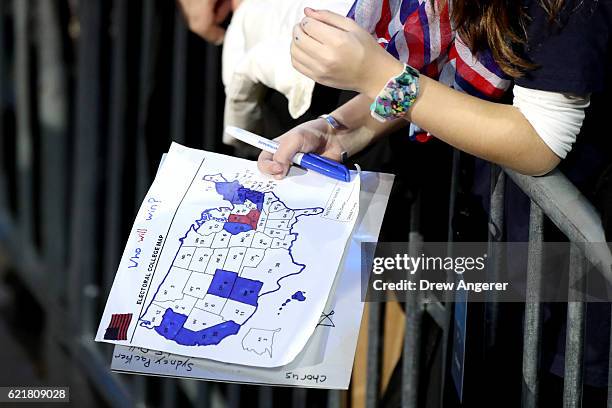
(227, 264)
(327, 359)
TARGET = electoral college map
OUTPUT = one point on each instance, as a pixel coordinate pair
(228, 264)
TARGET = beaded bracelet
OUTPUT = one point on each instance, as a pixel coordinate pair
(397, 96)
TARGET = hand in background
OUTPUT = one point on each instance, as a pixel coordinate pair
(335, 51)
(204, 17)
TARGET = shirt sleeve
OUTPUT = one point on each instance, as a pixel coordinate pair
(570, 55)
(557, 118)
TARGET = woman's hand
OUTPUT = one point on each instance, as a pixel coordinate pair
(335, 51)
(204, 17)
(318, 137)
(315, 136)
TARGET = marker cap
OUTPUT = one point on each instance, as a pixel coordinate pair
(325, 166)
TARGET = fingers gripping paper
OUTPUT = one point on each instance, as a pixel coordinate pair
(227, 264)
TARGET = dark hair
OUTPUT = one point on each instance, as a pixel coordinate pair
(499, 25)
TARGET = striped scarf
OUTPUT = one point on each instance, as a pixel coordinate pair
(415, 33)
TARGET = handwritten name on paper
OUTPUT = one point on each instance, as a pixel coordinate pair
(145, 358)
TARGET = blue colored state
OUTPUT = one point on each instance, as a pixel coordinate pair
(299, 296)
(246, 291)
(207, 337)
(222, 283)
(172, 328)
(256, 197)
(236, 227)
(227, 284)
(229, 191)
(235, 193)
(171, 324)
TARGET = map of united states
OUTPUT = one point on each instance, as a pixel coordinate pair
(228, 259)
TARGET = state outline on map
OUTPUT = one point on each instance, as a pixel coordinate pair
(255, 331)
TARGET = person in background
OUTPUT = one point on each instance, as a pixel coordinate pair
(256, 60)
(442, 68)
(443, 80)
(264, 93)
(205, 17)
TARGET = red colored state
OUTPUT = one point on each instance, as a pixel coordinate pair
(251, 218)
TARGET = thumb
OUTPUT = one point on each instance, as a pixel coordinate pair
(287, 148)
(214, 34)
(331, 18)
(222, 11)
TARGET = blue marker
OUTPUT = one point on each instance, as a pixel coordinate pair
(309, 161)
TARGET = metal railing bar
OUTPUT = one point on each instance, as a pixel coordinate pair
(265, 397)
(83, 249)
(22, 33)
(139, 391)
(571, 212)
(373, 353)
(211, 96)
(95, 365)
(4, 84)
(169, 393)
(298, 398)
(574, 339)
(496, 212)
(448, 296)
(413, 311)
(147, 64)
(496, 230)
(412, 350)
(53, 122)
(234, 392)
(53, 119)
(454, 188)
(334, 399)
(437, 311)
(145, 90)
(532, 336)
(203, 395)
(84, 206)
(179, 78)
(116, 142)
(610, 371)
(198, 393)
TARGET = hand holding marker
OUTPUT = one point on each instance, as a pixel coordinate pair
(308, 161)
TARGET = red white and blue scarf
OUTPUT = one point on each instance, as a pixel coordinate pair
(422, 35)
